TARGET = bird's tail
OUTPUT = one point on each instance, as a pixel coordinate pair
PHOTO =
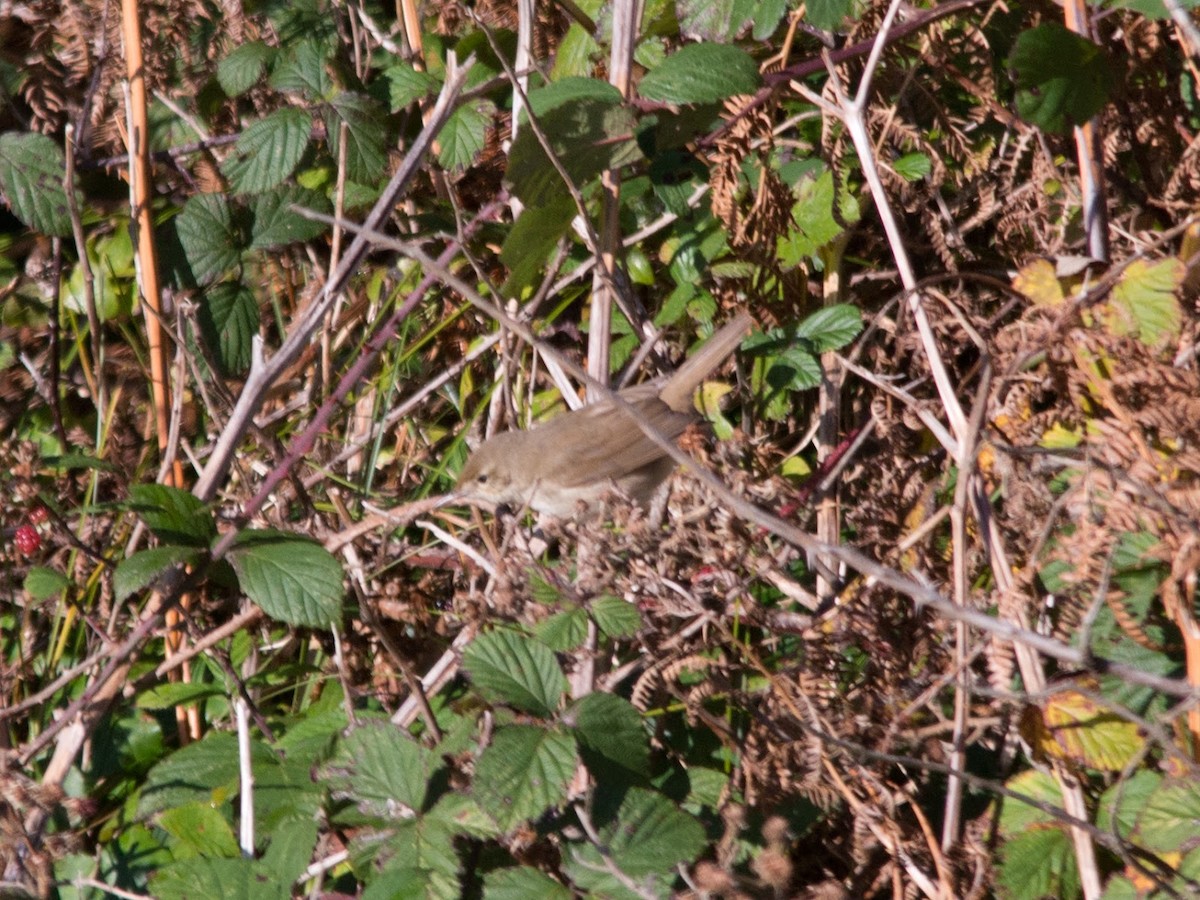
(678, 390)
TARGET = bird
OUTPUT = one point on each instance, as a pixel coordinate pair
(567, 465)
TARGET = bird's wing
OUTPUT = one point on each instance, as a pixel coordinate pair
(610, 458)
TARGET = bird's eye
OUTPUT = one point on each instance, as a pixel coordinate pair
(481, 478)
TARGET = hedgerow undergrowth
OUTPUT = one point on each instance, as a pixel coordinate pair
(919, 617)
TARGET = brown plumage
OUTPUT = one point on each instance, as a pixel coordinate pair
(579, 456)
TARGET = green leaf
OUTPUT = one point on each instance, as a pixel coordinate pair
(543, 590)
(813, 223)
(284, 791)
(532, 239)
(1143, 302)
(615, 617)
(487, 66)
(201, 829)
(204, 771)
(1151, 9)
(621, 348)
(32, 168)
(1168, 822)
(609, 727)
(1120, 805)
(418, 843)
(174, 515)
(168, 130)
(274, 223)
(110, 258)
(399, 883)
(243, 67)
(688, 263)
(291, 848)
(465, 135)
(1062, 79)
(208, 236)
(230, 879)
(707, 788)
(71, 461)
(714, 20)
(649, 835)
(461, 815)
(702, 307)
(1136, 550)
(304, 71)
(1120, 887)
(1189, 869)
(637, 263)
(674, 307)
(508, 668)
(786, 361)
(176, 693)
(421, 848)
(268, 151)
(576, 52)
(43, 583)
(366, 154)
(302, 20)
(1039, 863)
(521, 882)
(146, 854)
(359, 196)
(563, 631)
(794, 369)
(589, 130)
(312, 738)
(831, 327)
(701, 73)
(406, 85)
(129, 742)
(380, 766)
(828, 15)
(913, 166)
(228, 320)
(524, 773)
(294, 579)
(767, 16)
(144, 568)
(1017, 817)
(675, 176)
(69, 870)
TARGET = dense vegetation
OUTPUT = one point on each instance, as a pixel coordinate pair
(918, 619)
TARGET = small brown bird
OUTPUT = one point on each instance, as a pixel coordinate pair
(579, 456)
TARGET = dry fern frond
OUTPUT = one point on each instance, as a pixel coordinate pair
(755, 215)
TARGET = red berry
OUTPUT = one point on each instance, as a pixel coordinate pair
(38, 515)
(28, 540)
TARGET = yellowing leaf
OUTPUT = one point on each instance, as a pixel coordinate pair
(1075, 727)
(1059, 437)
(708, 397)
(1145, 882)
(708, 402)
(986, 459)
(1017, 817)
(795, 467)
(1038, 282)
(1144, 305)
